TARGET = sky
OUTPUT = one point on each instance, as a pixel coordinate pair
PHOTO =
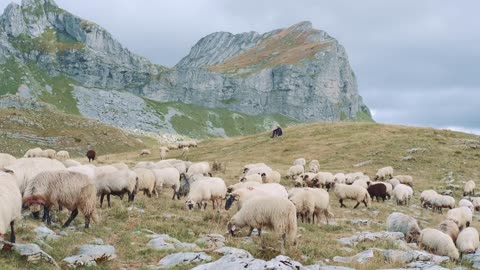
(415, 61)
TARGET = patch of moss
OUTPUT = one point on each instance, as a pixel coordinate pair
(50, 41)
(11, 73)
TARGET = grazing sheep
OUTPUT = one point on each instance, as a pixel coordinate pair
(426, 197)
(120, 166)
(63, 155)
(394, 182)
(251, 178)
(314, 166)
(323, 180)
(236, 186)
(276, 213)
(71, 163)
(449, 228)
(294, 171)
(243, 194)
(306, 179)
(356, 193)
(402, 194)
(146, 181)
(258, 170)
(398, 222)
(462, 216)
(300, 161)
(72, 190)
(202, 168)
(377, 191)
(168, 178)
(271, 177)
(91, 154)
(172, 146)
(6, 160)
(436, 242)
(476, 203)
(388, 187)
(468, 241)
(10, 205)
(351, 177)
(116, 183)
(145, 152)
(339, 178)
(85, 169)
(32, 153)
(145, 165)
(384, 174)
(248, 167)
(311, 202)
(442, 201)
(466, 203)
(49, 153)
(180, 165)
(163, 152)
(469, 188)
(404, 179)
(206, 189)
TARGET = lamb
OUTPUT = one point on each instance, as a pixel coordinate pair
(442, 201)
(116, 183)
(145, 152)
(435, 241)
(404, 179)
(468, 241)
(377, 191)
(394, 182)
(63, 155)
(71, 163)
(402, 194)
(384, 173)
(339, 178)
(202, 168)
(314, 166)
(356, 193)
(72, 190)
(271, 177)
(236, 186)
(206, 189)
(32, 153)
(91, 154)
(466, 203)
(462, 216)
(426, 197)
(294, 171)
(10, 205)
(300, 161)
(450, 228)
(168, 178)
(273, 212)
(49, 153)
(469, 188)
(163, 152)
(251, 178)
(6, 160)
(243, 194)
(146, 181)
(398, 222)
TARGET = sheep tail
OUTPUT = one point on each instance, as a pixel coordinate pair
(87, 202)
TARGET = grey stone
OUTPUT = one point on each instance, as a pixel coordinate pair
(363, 163)
(91, 255)
(404, 257)
(408, 158)
(360, 221)
(232, 262)
(183, 258)
(240, 253)
(447, 192)
(210, 241)
(368, 236)
(46, 234)
(282, 262)
(362, 257)
(416, 150)
(31, 252)
(96, 241)
(165, 242)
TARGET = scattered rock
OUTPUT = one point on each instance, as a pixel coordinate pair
(363, 163)
(368, 236)
(234, 251)
(182, 258)
(404, 257)
(473, 258)
(416, 150)
(232, 262)
(91, 255)
(46, 234)
(282, 262)
(31, 252)
(96, 241)
(408, 158)
(362, 257)
(210, 241)
(165, 242)
(360, 221)
(133, 208)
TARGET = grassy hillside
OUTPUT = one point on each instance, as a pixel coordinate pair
(337, 146)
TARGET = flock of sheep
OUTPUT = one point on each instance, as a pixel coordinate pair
(45, 180)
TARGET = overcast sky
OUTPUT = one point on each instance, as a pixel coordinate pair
(415, 61)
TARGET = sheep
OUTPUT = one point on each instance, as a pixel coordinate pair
(426, 197)
(398, 222)
(363, 182)
(258, 170)
(172, 146)
(206, 189)
(49, 153)
(120, 166)
(202, 168)
(356, 193)
(168, 178)
(145, 165)
(91, 154)
(294, 171)
(145, 152)
(402, 194)
(251, 178)
(468, 241)
(314, 166)
(351, 177)
(476, 203)
(25, 169)
(183, 144)
(72, 190)
(116, 183)
(271, 177)
(339, 178)
(248, 167)
(146, 181)
(384, 173)
(63, 155)
(466, 203)
(10, 205)
(6, 160)
(305, 179)
(394, 182)
(273, 212)
(300, 161)
(404, 179)
(435, 241)
(85, 169)
(388, 187)
(323, 180)
(32, 153)
(163, 152)
(236, 186)
(105, 169)
(310, 202)
(462, 216)
(248, 191)
(377, 191)
(180, 165)
(71, 163)
(450, 228)
(442, 201)
(469, 188)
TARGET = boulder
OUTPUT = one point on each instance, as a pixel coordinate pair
(91, 255)
(31, 252)
(182, 258)
(210, 241)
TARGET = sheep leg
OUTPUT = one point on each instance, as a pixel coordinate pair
(108, 200)
(175, 193)
(73, 215)
(36, 215)
(101, 200)
(341, 203)
(87, 222)
(12, 231)
(365, 202)
(356, 205)
(46, 215)
(259, 231)
(251, 230)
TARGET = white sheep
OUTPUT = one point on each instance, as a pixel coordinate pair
(6, 160)
(32, 153)
(404, 179)
(116, 183)
(146, 181)
(172, 146)
(361, 182)
(62, 155)
(449, 228)
(398, 222)
(276, 213)
(300, 161)
(258, 170)
(339, 178)
(204, 190)
(202, 168)
(435, 241)
(356, 193)
(247, 192)
(394, 182)
(469, 188)
(351, 177)
(314, 166)
(85, 169)
(271, 177)
(442, 201)
(120, 166)
(10, 205)
(294, 171)
(468, 241)
(236, 186)
(72, 190)
(247, 167)
(163, 152)
(402, 194)
(251, 178)
(166, 178)
(462, 216)
(426, 197)
(49, 153)
(310, 203)
(323, 180)
(384, 173)
(476, 203)
(466, 203)
(307, 179)
(145, 152)
(71, 163)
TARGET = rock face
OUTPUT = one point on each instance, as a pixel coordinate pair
(298, 72)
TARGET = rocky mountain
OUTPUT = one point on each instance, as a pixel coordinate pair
(236, 84)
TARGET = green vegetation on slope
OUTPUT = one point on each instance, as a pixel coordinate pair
(51, 41)
(11, 76)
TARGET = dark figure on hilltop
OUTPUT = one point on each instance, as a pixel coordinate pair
(277, 132)
(91, 155)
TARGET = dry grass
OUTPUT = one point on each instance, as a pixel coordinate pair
(336, 146)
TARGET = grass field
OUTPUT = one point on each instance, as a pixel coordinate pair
(337, 146)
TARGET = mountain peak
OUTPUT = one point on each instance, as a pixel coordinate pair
(36, 3)
(302, 26)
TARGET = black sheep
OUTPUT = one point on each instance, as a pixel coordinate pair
(377, 190)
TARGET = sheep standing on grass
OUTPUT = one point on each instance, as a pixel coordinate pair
(384, 173)
(468, 241)
(32, 153)
(442, 201)
(466, 203)
(449, 228)
(356, 193)
(202, 168)
(91, 154)
(116, 183)
(377, 191)
(166, 178)
(435, 241)
(310, 203)
(426, 197)
(206, 189)
(241, 195)
(6, 159)
(49, 153)
(276, 213)
(163, 152)
(72, 190)
(294, 171)
(404, 179)
(402, 194)
(398, 222)
(462, 216)
(10, 205)
(146, 181)
(469, 188)
(314, 166)
(63, 155)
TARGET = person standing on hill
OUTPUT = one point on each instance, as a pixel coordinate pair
(277, 132)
